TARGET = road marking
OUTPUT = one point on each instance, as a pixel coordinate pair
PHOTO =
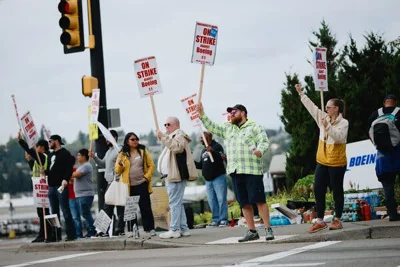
(293, 264)
(276, 256)
(234, 240)
(66, 257)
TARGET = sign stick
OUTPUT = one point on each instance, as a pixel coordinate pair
(322, 100)
(206, 144)
(154, 112)
(43, 210)
(16, 112)
(201, 82)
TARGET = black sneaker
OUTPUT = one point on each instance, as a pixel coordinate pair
(250, 236)
(38, 239)
(69, 239)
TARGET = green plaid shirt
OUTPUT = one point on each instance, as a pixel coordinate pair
(238, 142)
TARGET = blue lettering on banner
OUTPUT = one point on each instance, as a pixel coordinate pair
(362, 160)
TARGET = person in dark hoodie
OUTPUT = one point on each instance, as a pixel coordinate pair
(60, 172)
(42, 147)
(215, 175)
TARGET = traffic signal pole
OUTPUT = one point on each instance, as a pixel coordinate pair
(97, 68)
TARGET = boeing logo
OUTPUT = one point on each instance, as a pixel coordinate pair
(362, 160)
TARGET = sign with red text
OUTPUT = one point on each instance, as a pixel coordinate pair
(189, 103)
(227, 117)
(46, 132)
(40, 192)
(95, 106)
(205, 44)
(29, 128)
(147, 76)
(320, 69)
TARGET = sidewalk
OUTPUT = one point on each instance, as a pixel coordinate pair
(216, 236)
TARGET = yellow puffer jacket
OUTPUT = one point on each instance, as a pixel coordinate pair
(148, 167)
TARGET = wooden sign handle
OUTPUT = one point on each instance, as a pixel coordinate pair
(154, 112)
(201, 82)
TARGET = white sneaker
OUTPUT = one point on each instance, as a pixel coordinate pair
(170, 234)
(185, 233)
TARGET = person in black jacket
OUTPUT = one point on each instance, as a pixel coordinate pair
(215, 175)
(388, 163)
(60, 171)
(42, 147)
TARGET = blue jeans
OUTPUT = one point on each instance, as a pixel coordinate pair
(178, 215)
(217, 198)
(85, 204)
(76, 216)
(56, 200)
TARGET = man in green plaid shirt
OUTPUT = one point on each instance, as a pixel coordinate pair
(245, 143)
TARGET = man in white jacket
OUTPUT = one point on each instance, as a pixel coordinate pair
(176, 165)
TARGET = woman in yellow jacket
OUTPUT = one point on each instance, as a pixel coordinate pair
(331, 157)
(136, 168)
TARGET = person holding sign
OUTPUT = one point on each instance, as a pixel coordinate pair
(60, 172)
(176, 164)
(246, 142)
(331, 157)
(215, 175)
(42, 147)
(136, 168)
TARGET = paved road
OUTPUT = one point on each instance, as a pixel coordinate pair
(365, 253)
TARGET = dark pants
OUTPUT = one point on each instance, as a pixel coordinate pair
(109, 209)
(333, 177)
(85, 204)
(388, 181)
(57, 200)
(41, 220)
(144, 205)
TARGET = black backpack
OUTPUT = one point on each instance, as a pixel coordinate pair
(383, 132)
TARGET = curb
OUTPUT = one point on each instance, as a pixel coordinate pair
(99, 245)
(368, 232)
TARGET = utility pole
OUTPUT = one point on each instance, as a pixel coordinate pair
(97, 67)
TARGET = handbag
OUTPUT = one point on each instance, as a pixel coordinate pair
(116, 193)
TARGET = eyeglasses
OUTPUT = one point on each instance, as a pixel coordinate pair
(329, 107)
(167, 124)
(233, 112)
(134, 139)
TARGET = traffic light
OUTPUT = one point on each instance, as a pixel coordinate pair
(88, 84)
(71, 22)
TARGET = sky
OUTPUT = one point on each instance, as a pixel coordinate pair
(258, 42)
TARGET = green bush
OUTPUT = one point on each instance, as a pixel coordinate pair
(303, 189)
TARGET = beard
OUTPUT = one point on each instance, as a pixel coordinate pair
(235, 120)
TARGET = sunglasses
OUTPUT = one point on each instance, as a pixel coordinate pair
(167, 124)
(134, 139)
(234, 111)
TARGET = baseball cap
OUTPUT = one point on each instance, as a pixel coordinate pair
(56, 137)
(238, 107)
(390, 96)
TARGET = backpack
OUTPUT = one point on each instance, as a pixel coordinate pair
(383, 132)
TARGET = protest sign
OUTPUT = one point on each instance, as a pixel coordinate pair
(131, 208)
(108, 136)
(46, 132)
(189, 104)
(146, 73)
(205, 43)
(148, 81)
(320, 69)
(29, 128)
(102, 221)
(320, 72)
(40, 192)
(95, 106)
(190, 109)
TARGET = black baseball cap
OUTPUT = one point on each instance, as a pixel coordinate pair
(238, 107)
(390, 96)
(55, 137)
(114, 133)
